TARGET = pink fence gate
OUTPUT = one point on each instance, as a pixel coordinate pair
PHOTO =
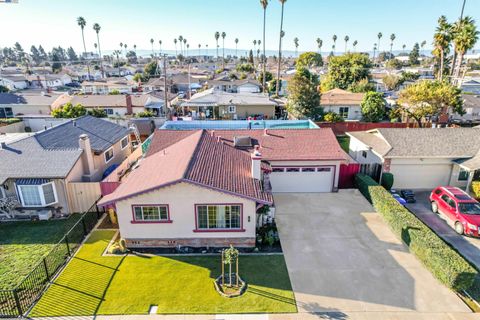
(346, 179)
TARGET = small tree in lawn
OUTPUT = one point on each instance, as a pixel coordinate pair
(229, 257)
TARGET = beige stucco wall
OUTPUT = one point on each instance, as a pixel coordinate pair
(245, 111)
(30, 109)
(181, 199)
(118, 156)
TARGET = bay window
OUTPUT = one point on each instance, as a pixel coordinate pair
(151, 213)
(37, 195)
(219, 217)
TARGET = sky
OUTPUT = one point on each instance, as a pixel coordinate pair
(53, 22)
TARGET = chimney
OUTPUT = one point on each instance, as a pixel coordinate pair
(84, 143)
(3, 145)
(265, 132)
(128, 99)
(213, 133)
(219, 138)
(256, 157)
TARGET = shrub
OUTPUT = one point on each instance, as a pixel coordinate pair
(476, 189)
(446, 264)
(8, 121)
(332, 117)
(387, 180)
(145, 114)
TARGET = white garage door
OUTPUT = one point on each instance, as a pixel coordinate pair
(426, 176)
(311, 179)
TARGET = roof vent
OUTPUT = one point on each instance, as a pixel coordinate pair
(242, 141)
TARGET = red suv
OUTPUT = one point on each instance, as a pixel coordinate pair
(461, 209)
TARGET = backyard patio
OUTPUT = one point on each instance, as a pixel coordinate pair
(93, 284)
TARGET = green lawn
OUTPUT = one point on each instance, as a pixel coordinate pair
(23, 244)
(344, 142)
(92, 284)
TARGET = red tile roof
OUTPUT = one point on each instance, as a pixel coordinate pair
(199, 159)
(276, 145)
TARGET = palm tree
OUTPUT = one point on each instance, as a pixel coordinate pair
(295, 42)
(422, 45)
(334, 38)
(379, 36)
(180, 40)
(254, 45)
(135, 48)
(441, 42)
(184, 45)
(392, 38)
(374, 50)
(264, 4)
(199, 46)
(354, 44)
(217, 36)
(188, 46)
(95, 45)
(346, 41)
(121, 48)
(403, 47)
(97, 28)
(319, 45)
(206, 49)
(236, 47)
(153, 51)
(223, 49)
(160, 44)
(82, 23)
(465, 36)
(125, 46)
(282, 33)
(175, 41)
(117, 53)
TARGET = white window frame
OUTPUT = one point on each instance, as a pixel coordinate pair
(143, 220)
(105, 155)
(232, 109)
(344, 112)
(126, 145)
(40, 192)
(226, 229)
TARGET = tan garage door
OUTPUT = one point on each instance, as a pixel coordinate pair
(420, 176)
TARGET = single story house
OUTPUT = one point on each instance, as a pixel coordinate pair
(203, 188)
(235, 86)
(471, 106)
(37, 169)
(211, 104)
(49, 80)
(26, 102)
(108, 86)
(346, 104)
(471, 86)
(421, 158)
(14, 82)
(115, 105)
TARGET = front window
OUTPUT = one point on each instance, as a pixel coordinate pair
(211, 217)
(37, 195)
(343, 112)
(6, 112)
(108, 155)
(156, 213)
(463, 175)
(108, 111)
(232, 109)
(469, 208)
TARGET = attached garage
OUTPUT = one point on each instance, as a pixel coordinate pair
(421, 175)
(302, 179)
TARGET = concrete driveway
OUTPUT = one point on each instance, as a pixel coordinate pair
(469, 247)
(342, 257)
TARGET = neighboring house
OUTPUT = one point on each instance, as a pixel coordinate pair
(471, 86)
(37, 170)
(49, 80)
(211, 104)
(471, 106)
(115, 105)
(13, 82)
(344, 103)
(203, 188)
(26, 103)
(235, 86)
(108, 86)
(421, 158)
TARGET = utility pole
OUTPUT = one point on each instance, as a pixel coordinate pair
(167, 110)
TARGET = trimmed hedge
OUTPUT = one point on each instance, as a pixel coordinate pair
(444, 262)
(387, 180)
(476, 189)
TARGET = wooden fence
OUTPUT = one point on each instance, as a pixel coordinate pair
(83, 195)
(339, 128)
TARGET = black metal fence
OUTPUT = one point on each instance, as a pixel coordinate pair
(17, 301)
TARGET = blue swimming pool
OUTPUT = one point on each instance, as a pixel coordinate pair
(239, 124)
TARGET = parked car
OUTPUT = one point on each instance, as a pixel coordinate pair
(408, 195)
(459, 207)
(398, 197)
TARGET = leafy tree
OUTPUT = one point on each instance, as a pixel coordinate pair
(72, 56)
(304, 97)
(392, 81)
(409, 76)
(426, 99)
(384, 56)
(42, 52)
(138, 77)
(69, 111)
(373, 106)
(332, 117)
(272, 86)
(343, 71)
(245, 67)
(414, 54)
(97, 113)
(150, 68)
(268, 77)
(309, 60)
(35, 54)
(3, 89)
(394, 64)
(114, 92)
(250, 57)
(56, 56)
(145, 114)
(131, 57)
(362, 86)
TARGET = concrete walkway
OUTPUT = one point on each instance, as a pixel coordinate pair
(469, 247)
(343, 258)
